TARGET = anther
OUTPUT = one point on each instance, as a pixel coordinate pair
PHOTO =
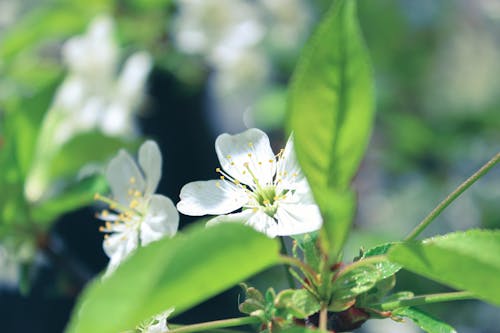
(217, 169)
(132, 180)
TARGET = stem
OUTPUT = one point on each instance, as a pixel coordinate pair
(424, 299)
(301, 265)
(216, 324)
(289, 277)
(323, 318)
(452, 196)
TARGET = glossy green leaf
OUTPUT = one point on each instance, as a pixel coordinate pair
(464, 260)
(299, 303)
(353, 280)
(179, 272)
(330, 111)
(424, 321)
(386, 268)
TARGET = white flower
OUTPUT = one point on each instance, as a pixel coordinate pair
(158, 324)
(271, 190)
(140, 216)
(92, 96)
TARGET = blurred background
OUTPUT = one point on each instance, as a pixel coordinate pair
(80, 79)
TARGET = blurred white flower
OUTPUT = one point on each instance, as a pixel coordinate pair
(271, 190)
(91, 97)
(238, 40)
(138, 216)
(9, 272)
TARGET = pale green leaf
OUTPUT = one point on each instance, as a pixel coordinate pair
(330, 111)
(300, 303)
(424, 321)
(179, 272)
(463, 260)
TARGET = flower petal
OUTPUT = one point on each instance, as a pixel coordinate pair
(262, 222)
(296, 219)
(150, 161)
(241, 217)
(289, 173)
(251, 148)
(212, 197)
(123, 175)
(162, 220)
(118, 246)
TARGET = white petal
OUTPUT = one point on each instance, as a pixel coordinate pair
(297, 219)
(123, 175)
(262, 222)
(251, 147)
(289, 173)
(162, 220)
(150, 161)
(161, 325)
(212, 197)
(118, 246)
(241, 217)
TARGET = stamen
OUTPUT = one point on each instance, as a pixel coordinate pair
(132, 180)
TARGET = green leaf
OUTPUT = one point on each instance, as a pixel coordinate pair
(353, 280)
(424, 321)
(386, 268)
(83, 149)
(464, 260)
(179, 272)
(300, 303)
(298, 330)
(79, 195)
(330, 111)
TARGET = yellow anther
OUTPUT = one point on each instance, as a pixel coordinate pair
(255, 209)
(108, 225)
(104, 213)
(137, 194)
(102, 229)
(232, 163)
(294, 174)
(132, 180)
(275, 198)
(106, 236)
(250, 144)
(237, 182)
(217, 184)
(245, 164)
(249, 154)
(266, 202)
(222, 177)
(271, 160)
(112, 206)
(228, 157)
(260, 163)
(217, 169)
(134, 203)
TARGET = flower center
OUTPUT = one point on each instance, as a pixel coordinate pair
(130, 216)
